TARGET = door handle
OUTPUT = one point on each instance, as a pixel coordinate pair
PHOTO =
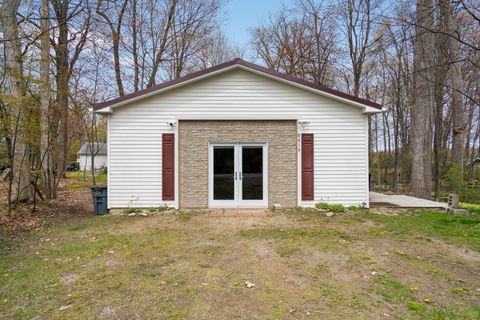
(235, 176)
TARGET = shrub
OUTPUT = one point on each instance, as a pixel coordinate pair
(330, 207)
(473, 208)
(455, 179)
(131, 210)
(457, 185)
(322, 205)
(337, 208)
(470, 194)
(354, 208)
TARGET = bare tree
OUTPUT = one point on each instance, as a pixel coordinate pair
(300, 42)
(441, 73)
(217, 50)
(191, 31)
(421, 181)
(20, 189)
(46, 157)
(105, 10)
(159, 56)
(284, 44)
(323, 38)
(458, 113)
(358, 29)
(68, 44)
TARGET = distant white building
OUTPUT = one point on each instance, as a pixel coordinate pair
(84, 156)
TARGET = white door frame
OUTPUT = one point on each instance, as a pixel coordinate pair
(221, 203)
(253, 203)
(238, 202)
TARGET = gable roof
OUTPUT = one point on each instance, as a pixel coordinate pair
(237, 63)
(99, 148)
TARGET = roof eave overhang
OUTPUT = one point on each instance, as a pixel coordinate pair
(370, 110)
(366, 108)
(106, 110)
(109, 109)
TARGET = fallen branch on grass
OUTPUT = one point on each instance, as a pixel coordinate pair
(381, 300)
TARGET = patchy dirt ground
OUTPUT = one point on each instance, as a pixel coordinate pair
(409, 265)
(73, 200)
(62, 262)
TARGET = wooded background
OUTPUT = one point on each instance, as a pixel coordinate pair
(419, 59)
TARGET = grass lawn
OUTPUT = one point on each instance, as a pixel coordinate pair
(82, 179)
(409, 265)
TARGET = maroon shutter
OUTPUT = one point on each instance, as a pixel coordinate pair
(307, 166)
(168, 166)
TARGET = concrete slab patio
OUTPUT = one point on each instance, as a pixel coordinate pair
(403, 201)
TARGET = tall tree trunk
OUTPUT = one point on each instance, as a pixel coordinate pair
(421, 182)
(458, 112)
(136, 72)
(468, 136)
(48, 182)
(476, 138)
(20, 166)
(441, 72)
(377, 150)
(395, 140)
(385, 148)
(437, 138)
(62, 77)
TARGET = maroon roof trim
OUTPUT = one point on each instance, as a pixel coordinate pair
(231, 63)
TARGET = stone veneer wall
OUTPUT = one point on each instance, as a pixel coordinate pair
(194, 136)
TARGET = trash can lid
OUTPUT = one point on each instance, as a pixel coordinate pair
(98, 186)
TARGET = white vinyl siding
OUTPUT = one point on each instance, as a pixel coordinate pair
(85, 162)
(135, 134)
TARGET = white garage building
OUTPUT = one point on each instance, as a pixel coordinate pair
(84, 156)
(237, 135)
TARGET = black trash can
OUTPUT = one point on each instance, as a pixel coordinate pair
(99, 195)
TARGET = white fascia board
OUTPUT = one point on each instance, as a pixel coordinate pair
(104, 111)
(370, 110)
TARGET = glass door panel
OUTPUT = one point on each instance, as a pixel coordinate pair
(252, 173)
(224, 173)
(238, 175)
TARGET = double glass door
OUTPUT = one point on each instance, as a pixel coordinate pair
(238, 176)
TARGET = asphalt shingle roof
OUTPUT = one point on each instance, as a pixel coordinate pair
(99, 148)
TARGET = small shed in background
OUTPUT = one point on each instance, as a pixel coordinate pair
(99, 152)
